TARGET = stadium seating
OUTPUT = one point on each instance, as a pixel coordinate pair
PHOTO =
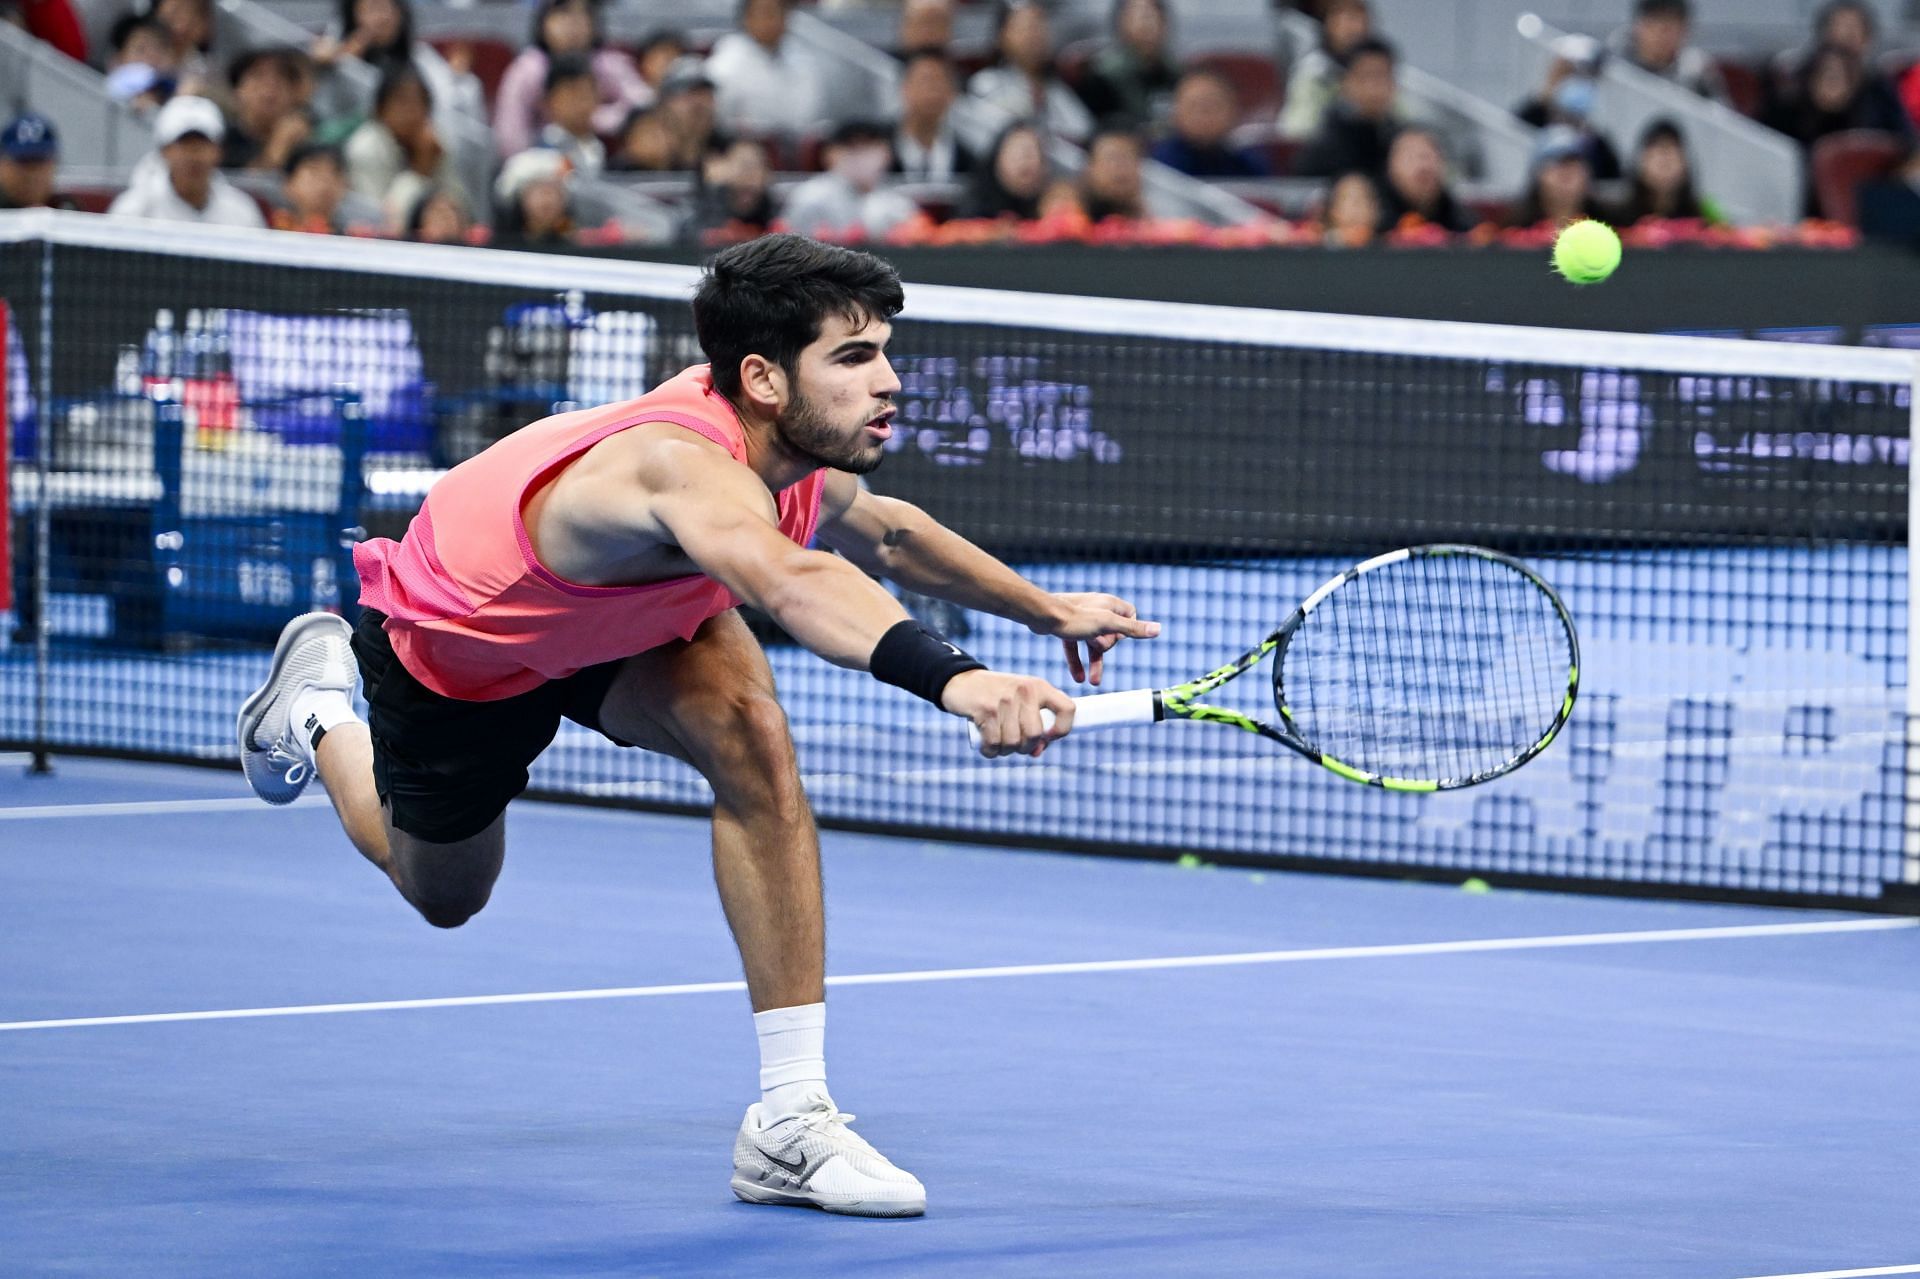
(1842, 161)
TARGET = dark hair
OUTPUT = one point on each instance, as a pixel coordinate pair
(402, 45)
(851, 131)
(770, 296)
(1118, 127)
(283, 60)
(1372, 46)
(314, 151)
(417, 212)
(1833, 8)
(1214, 74)
(933, 54)
(1663, 9)
(568, 66)
(126, 27)
(654, 39)
(740, 11)
(397, 77)
(539, 37)
(1119, 7)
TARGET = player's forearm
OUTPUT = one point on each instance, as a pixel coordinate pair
(925, 556)
(831, 608)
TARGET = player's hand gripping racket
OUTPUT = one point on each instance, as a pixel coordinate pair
(1429, 668)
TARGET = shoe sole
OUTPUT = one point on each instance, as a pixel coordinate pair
(250, 710)
(750, 1192)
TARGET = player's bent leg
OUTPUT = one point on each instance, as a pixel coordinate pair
(447, 883)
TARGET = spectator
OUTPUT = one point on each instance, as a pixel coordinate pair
(1360, 124)
(534, 200)
(656, 55)
(1414, 188)
(1314, 78)
(1010, 185)
(1656, 42)
(396, 154)
(1132, 79)
(848, 197)
(564, 28)
(1111, 185)
(1353, 212)
(924, 25)
(52, 22)
(1567, 99)
(439, 216)
(736, 191)
(1910, 94)
(569, 102)
(380, 33)
(924, 146)
(1663, 180)
(1204, 109)
(268, 123)
(313, 193)
(186, 184)
(188, 26)
(645, 143)
(1061, 202)
(689, 105)
(1021, 82)
(1846, 25)
(140, 69)
(1561, 189)
(765, 84)
(1832, 96)
(29, 154)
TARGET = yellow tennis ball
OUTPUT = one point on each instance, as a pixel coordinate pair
(1586, 251)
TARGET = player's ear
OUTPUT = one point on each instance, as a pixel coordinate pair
(763, 383)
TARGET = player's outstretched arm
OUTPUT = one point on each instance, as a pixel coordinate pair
(898, 540)
(723, 518)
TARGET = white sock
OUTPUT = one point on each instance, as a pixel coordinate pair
(793, 1056)
(316, 712)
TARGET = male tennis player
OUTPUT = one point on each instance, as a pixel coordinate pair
(587, 568)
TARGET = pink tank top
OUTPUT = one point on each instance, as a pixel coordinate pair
(471, 611)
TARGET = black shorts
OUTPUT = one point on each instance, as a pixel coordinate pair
(446, 768)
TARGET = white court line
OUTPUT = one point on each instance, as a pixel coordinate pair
(1476, 946)
(147, 808)
(1849, 1274)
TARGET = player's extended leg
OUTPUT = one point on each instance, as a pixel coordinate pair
(308, 695)
(711, 702)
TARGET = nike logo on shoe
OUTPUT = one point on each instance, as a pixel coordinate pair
(797, 1169)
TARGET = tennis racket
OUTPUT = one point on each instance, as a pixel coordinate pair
(1425, 669)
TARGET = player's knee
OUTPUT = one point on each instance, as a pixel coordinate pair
(450, 911)
(755, 759)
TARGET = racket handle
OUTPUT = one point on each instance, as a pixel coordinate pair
(1099, 711)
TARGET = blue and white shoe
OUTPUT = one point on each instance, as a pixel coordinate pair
(813, 1160)
(314, 651)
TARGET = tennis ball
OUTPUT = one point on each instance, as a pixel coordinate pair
(1586, 252)
(1189, 862)
(1476, 885)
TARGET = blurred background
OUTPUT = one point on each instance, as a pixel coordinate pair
(1395, 150)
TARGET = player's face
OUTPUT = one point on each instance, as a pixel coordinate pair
(840, 413)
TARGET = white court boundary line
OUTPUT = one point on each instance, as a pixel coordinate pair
(150, 808)
(1400, 950)
(1848, 1274)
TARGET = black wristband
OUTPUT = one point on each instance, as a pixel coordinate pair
(912, 657)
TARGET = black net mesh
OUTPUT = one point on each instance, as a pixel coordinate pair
(1732, 548)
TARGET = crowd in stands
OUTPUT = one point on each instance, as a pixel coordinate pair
(304, 138)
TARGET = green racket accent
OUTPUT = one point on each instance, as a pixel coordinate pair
(1351, 774)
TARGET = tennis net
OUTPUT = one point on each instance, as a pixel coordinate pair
(196, 418)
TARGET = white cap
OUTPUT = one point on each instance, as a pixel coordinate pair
(184, 115)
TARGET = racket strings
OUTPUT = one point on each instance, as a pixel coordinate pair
(1431, 668)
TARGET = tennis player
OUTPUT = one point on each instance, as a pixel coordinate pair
(588, 567)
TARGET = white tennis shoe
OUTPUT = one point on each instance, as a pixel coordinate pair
(813, 1160)
(313, 652)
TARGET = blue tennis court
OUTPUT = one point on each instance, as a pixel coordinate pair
(1098, 1066)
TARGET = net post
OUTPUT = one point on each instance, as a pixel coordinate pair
(1909, 884)
(43, 527)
